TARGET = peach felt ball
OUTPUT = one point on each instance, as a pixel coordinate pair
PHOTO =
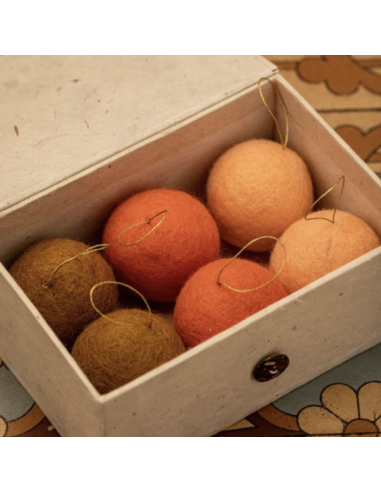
(317, 247)
(158, 266)
(114, 351)
(258, 188)
(204, 308)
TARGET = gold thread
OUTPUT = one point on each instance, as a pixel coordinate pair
(243, 249)
(278, 93)
(325, 194)
(93, 249)
(140, 223)
(123, 285)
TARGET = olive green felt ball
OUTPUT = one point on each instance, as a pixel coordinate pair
(113, 354)
(65, 302)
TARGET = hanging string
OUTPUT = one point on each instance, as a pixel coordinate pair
(325, 194)
(165, 212)
(93, 249)
(123, 285)
(284, 140)
(239, 253)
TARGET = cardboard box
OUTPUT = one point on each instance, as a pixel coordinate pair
(81, 134)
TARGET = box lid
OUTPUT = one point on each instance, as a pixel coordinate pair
(64, 114)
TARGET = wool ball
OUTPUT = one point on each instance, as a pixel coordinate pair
(317, 247)
(159, 265)
(204, 308)
(65, 304)
(257, 188)
(112, 354)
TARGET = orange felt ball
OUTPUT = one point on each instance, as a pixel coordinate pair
(258, 188)
(159, 265)
(204, 308)
(317, 247)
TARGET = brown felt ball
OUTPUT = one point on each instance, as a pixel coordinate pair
(112, 354)
(317, 247)
(204, 308)
(159, 265)
(65, 304)
(257, 188)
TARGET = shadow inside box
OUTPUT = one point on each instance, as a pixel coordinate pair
(228, 251)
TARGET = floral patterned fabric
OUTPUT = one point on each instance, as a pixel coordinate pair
(344, 402)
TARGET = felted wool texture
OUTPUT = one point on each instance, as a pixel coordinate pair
(317, 247)
(159, 265)
(112, 355)
(65, 305)
(258, 188)
(204, 308)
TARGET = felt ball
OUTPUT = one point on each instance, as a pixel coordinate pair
(257, 188)
(317, 247)
(65, 303)
(113, 354)
(159, 265)
(204, 308)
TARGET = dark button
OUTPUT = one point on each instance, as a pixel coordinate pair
(271, 368)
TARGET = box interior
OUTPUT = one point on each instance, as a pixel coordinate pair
(181, 158)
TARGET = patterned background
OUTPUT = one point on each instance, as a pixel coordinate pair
(346, 91)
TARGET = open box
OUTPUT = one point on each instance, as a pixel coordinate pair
(198, 117)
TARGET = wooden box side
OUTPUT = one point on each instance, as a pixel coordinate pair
(44, 367)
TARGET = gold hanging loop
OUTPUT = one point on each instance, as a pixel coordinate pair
(123, 285)
(325, 194)
(284, 140)
(93, 249)
(239, 253)
(165, 212)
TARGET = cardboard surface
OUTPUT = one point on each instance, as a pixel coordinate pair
(63, 114)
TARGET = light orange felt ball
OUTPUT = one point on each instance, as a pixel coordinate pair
(159, 265)
(258, 188)
(317, 247)
(204, 308)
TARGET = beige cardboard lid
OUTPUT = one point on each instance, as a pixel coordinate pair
(64, 114)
